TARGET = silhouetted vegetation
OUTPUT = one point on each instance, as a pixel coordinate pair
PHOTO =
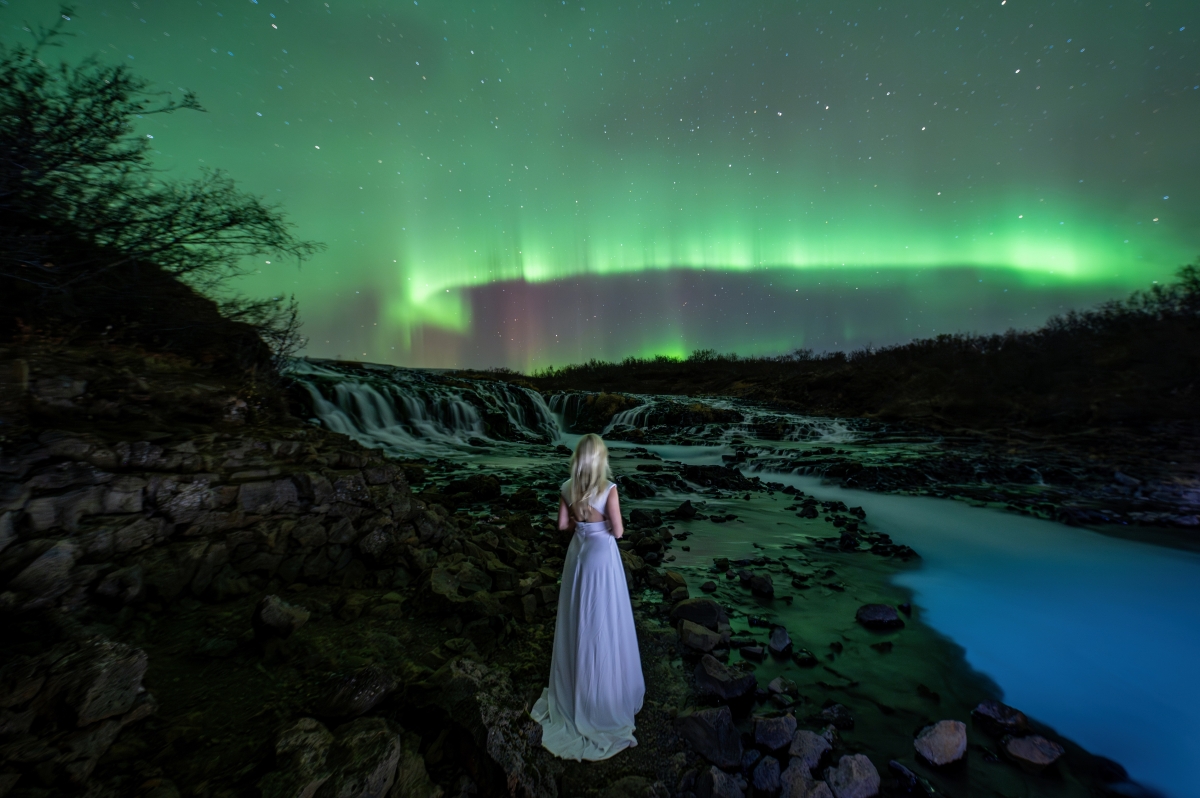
(1126, 361)
(95, 242)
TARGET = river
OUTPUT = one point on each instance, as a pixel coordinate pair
(1094, 636)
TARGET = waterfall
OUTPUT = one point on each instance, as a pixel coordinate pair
(411, 410)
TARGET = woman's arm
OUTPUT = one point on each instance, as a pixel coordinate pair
(565, 522)
(613, 510)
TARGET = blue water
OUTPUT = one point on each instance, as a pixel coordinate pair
(1098, 637)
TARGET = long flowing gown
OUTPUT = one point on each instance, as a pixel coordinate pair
(596, 684)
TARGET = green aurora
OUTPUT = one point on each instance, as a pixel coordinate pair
(449, 152)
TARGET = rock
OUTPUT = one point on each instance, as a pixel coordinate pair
(300, 754)
(695, 636)
(836, 715)
(274, 617)
(753, 653)
(805, 658)
(878, 616)
(709, 586)
(1000, 719)
(854, 777)
(904, 777)
(774, 734)
(779, 642)
(104, 679)
(766, 776)
(674, 580)
(712, 734)
(703, 611)
(352, 694)
(629, 787)
(412, 779)
(943, 742)
(47, 577)
(809, 748)
(1033, 753)
(363, 760)
(783, 686)
(750, 758)
(727, 684)
(761, 585)
(716, 783)
(796, 782)
(685, 511)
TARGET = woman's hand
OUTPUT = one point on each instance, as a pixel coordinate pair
(612, 508)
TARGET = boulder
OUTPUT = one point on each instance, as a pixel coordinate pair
(766, 776)
(1033, 753)
(708, 587)
(712, 734)
(904, 777)
(779, 643)
(300, 754)
(761, 585)
(364, 757)
(796, 782)
(412, 779)
(726, 684)
(878, 616)
(1000, 719)
(685, 511)
(942, 743)
(854, 777)
(703, 611)
(349, 695)
(47, 577)
(275, 618)
(104, 679)
(836, 715)
(808, 749)
(716, 783)
(774, 734)
(695, 636)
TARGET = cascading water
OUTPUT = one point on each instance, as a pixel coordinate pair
(409, 410)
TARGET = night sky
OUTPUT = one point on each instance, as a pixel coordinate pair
(530, 183)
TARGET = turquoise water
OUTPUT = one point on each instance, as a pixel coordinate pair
(1096, 636)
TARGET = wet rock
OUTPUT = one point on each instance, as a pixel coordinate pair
(878, 616)
(703, 611)
(805, 658)
(695, 636)
(1000, 719)
(475, 488)
(726, 684)
(761, 585)
(854, 777)
(1033, 753)
(766, 775)
(685, 511)
(774, 734)
(905, 778)
(352, 694)
(753, 653)
(712, 734)
(709, 586)
(809, 748)
(942, 743)
(275, 618)
(715, 476)
(716, 783)
(750, 758)
(783, 686)
(675, 583)
(796, 782)
(779, 642)
(837, 716)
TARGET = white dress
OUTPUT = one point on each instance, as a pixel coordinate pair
(596, 684)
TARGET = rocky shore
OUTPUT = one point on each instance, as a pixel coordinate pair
(204, 596)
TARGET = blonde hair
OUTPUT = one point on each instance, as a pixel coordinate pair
(589, 473)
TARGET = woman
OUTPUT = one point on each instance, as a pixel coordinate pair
(596, 684)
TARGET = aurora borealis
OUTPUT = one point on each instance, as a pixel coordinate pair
(527, 183)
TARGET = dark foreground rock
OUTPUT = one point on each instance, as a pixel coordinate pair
(712, 734)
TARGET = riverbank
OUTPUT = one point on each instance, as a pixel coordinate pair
(206, 596)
